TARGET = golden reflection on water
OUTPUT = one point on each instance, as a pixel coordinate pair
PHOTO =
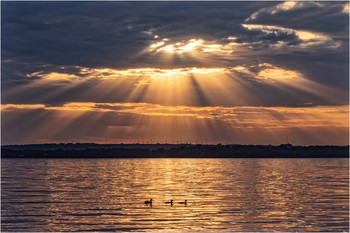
(222, 194)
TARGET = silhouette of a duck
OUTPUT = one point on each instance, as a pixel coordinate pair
(149, 202)
(183, 202)
(169, 202)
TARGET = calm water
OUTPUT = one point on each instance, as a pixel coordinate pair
(223, 195)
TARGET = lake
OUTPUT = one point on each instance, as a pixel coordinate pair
(222, 195)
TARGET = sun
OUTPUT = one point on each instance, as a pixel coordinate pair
(192, 46)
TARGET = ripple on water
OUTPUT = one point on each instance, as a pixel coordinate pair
(222, 194)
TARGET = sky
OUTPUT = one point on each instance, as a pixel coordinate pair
(175, 72)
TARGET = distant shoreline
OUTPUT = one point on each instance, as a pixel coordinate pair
(92, 150)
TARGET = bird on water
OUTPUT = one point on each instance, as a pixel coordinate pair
(169, 202)
(185, 202)
(149, 202)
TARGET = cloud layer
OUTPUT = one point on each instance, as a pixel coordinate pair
(191, 54)
(132, 122)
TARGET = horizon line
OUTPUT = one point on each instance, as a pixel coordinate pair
(161, 143)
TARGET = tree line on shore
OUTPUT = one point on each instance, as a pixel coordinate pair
(183, 151)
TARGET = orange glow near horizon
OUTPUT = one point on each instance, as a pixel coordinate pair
(191, 124)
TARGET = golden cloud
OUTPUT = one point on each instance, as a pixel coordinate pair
(239, 117)
(282, 7)
(192, 46)
(107, 73)
(346, 8)
(308, 38)
(278, 73)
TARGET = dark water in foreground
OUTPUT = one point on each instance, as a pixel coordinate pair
(223, 195)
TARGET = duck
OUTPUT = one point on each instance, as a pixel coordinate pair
(185, 202)
(149, 202)
(169, 202)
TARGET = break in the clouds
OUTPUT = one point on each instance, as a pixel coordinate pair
(193, 54)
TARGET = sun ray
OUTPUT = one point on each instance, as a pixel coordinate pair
(144, 121)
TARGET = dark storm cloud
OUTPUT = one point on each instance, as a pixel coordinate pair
(59, 36)
(74, 33)
(263, 40)
(105, 34)
(108, 34)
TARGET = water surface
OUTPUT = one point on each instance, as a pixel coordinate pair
(222, 194)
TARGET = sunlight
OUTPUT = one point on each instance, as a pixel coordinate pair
(309, 38)
(54, 76)
(205, 124)
(287, 5)
(286, 79)
(246, 116)
(346, 8)
(107, 73)
(9, 107)
(277, 73)
(179, 86)
(192, 46)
